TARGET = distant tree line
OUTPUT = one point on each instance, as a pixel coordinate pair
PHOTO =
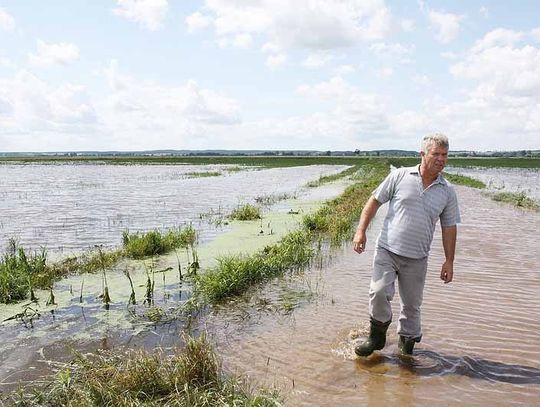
(293, 153)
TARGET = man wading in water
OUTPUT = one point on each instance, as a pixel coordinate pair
(417, 197)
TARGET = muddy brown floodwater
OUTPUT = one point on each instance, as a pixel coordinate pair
(481, 344)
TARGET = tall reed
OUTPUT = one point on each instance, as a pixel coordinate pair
(21, 272)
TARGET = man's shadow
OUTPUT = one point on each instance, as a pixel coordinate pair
(427, 363)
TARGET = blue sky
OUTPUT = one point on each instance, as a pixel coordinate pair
(268, 74)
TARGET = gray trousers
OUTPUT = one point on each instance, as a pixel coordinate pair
(411, 276)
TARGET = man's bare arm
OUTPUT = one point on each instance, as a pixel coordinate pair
(449, 238)
(368, 213)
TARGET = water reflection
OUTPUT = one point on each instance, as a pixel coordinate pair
(426, 363)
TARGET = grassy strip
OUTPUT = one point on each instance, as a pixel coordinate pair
(331, 178)
(518, 199)
(191, 377)
(459, 179)
(335, 219)
(234, 274)
(246, 212)
(138, 246)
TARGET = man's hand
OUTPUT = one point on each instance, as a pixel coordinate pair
(447, 272)
(359, 241)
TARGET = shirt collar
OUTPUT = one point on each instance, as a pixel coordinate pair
(416, 170)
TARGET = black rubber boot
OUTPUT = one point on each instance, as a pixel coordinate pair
(406, 345)
(376, 339)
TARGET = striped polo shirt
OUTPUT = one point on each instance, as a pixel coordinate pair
(413, 211)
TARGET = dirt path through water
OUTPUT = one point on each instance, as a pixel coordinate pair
(481, 333)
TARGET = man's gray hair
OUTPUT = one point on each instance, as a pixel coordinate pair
(437, 139)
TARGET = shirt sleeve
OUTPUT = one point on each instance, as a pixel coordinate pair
(450, 215)
(385, 190)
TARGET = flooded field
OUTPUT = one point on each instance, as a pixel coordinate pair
(73, 207)
(145, 197)
(505, 179)
(480, 344)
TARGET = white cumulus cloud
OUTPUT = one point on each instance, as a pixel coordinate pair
(505, 95)
(7, 22)
(334, 89)
(157, 115)
(407, 25)
(322, 24)
(535, 33)
(275, 61)
(237, 41)
(197, 21)
(54, 54)
(148, 13)
(422, 80)
(317, 60)
(344, 70)
(33, 105)
(447, 25)
(498, 37)
(392, 52)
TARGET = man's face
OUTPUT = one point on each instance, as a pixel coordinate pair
(435, 159)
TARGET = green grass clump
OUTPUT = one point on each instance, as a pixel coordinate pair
(21, 272)
(203, 174)
(246, 212)
(459, 179)
(518, 199)
(138, 246)
(268, 200)
(235, 274)
(190, 377)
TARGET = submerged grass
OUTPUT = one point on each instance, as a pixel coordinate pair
(459, 179)
(89, 262)
(138, 246)
(190, 377)
(246, 212)
(519, 199)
